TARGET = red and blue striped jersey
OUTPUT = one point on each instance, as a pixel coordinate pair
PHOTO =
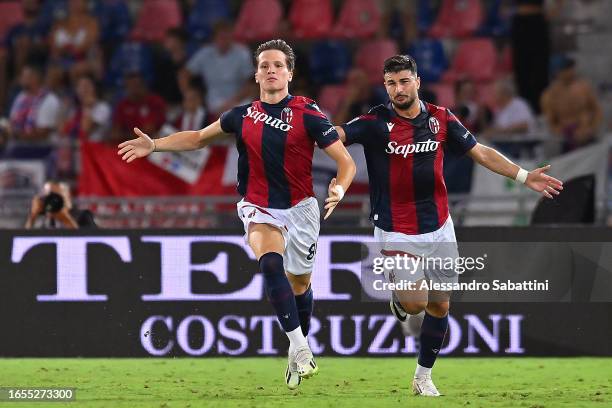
(405, 164)
(275, 146)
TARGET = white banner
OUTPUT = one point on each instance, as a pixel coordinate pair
(185, 165)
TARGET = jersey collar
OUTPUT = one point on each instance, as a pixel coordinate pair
(283, 102)
(420, 116)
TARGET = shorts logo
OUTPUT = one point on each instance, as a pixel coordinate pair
(434, 125)
(287, 115)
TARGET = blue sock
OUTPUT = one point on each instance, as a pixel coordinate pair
(304, 305)
(279, 290)
(433, 331)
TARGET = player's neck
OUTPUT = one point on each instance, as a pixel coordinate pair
(412, 112)
(273, 97)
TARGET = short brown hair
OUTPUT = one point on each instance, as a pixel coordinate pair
(279, 45)
(399, 63)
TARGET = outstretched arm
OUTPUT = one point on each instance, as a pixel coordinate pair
(143, 145)
(341, 133)
(339, 184)
(536, 179)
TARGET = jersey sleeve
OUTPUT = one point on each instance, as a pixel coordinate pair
(319, 128)
(230, 120)
(459, 139)
(358, 129)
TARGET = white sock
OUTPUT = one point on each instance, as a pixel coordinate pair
(297, 339)
(420, 371)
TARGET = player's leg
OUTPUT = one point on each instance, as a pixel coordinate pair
(303, 223)
(433, 330)
(412, 302)
(410, 310)
(268, 244)
(406, 305)
(300, 284)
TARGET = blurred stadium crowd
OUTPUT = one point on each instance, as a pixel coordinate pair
(91, 70)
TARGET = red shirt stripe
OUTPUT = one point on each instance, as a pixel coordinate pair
(299, 149)
(252, 133)
(401, 184)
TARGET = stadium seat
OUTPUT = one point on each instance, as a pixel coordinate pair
(457, 19)
(445, 94)
(497, 21)
(371, 56)
(155, 18)
(129, 57)
(475, 59)
(329, 62)
(425, 15)
(203, 16)
(311, 19)
(258, 20)
(330, 97)
(11, 14)
(115, 20)
(485, 94)
(358, 19)
(430, 57)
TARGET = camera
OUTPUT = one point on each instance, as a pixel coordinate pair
(52, 203)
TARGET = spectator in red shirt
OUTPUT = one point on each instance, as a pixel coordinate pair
(139, 108)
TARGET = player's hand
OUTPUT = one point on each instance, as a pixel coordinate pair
(335, 193)
(136, 148)
(539, 181)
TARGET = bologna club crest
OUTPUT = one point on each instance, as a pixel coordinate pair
(287, 115)
(434, 125)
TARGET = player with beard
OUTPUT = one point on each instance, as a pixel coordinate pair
(404, 144)
(275, 137)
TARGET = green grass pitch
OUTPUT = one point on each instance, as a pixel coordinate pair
(342, 382)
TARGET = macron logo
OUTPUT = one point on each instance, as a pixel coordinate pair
(258, 116)
(390, 125)
(328, 131)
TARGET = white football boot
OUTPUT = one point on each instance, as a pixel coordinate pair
(304, 362)
(422, 385)
(292, 377)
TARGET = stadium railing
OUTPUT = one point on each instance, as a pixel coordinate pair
(220, 211)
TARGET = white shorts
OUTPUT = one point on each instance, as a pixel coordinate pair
(440, 244)
(299, 225)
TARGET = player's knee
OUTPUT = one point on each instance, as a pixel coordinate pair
(438, 309)
(299, 283)
(271, 263)
(413, 307)
(299, 287)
